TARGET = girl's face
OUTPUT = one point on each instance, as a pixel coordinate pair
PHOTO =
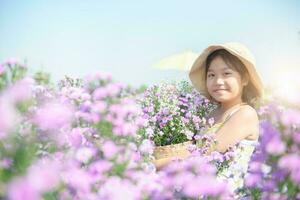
(223, 83)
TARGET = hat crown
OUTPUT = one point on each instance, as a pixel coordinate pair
(241, 50)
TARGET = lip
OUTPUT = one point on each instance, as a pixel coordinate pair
(219, 90)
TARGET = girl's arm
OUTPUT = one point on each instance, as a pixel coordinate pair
(241, 125)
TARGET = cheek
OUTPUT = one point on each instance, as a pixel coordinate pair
(236, 83)
(208, 85)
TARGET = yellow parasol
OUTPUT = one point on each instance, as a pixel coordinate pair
(181, 61)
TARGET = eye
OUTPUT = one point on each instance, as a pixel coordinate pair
(228, 73)
(210, 75)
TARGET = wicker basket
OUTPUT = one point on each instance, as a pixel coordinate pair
(172, 150)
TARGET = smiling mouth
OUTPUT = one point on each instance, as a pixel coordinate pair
(219, 90)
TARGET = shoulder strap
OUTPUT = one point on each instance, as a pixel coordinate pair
(232, 113)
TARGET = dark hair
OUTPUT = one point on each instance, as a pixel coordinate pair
(249, 93)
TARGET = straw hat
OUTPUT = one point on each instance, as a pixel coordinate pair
(197, 72)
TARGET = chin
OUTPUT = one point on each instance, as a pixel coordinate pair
(221, 99)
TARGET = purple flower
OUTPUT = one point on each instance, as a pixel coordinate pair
(85, 106)
(211, 121)
(252, 180)
(279, 175)
(269, 185)
(216, 156)
(196, 119)
(268, 131)
(6, 163)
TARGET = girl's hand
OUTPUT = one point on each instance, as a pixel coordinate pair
(161, 163)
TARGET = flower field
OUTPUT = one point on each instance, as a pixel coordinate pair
(94, 138)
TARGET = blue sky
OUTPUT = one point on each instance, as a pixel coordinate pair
(126, 38)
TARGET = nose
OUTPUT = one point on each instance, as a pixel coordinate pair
(219, 80)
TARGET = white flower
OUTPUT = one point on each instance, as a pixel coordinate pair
(161, 133)
(189, 134)
(147, 147)
(149, 132)
(84, 154)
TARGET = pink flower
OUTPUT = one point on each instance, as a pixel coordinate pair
(84, 154)
(99, 168)
(44, 175)
(116, 188)
(99, 106)
(255, 167)
(128, 129)
(113, 90)
(103, 76)
(75, 137)
(275, 146)
(21, 90)
(109, 149)
(290, 117)
(290, 162)
(252, 180)
(100, 93)
(5, 163)
(296, 137)
(53, 116)
(8, 122)
(147, 147)
(78, 179)
(20, 189)
(12, 61)
(196, 119)
(204, 185)
(2, 69)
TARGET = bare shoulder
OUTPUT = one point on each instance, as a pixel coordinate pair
(247, 116)
(248, 113)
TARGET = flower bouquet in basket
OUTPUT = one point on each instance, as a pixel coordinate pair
(175, 114)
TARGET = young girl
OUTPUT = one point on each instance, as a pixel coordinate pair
(226, 74)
